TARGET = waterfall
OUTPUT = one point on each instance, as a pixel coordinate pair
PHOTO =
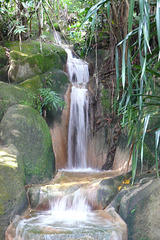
(78, 121)
(78, 128)
(78, 73)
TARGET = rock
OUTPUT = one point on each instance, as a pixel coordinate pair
(3, 57)
(98, 188)
(33, 84)
(10, 95)
(122, 161)
(139, 208)
(31, 62)
(4, 74)
(57, 80)
(12, 192)
(108, 189)
(23, 127)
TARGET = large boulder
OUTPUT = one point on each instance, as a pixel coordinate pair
(10, 95)
(23, 127)
(57, 80)
(33, 84)
(140, 210)
(31, 61)
(12, 192)
(139, 207)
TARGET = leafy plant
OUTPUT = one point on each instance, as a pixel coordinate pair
(50, 100)
(137, 80)
(19, 30)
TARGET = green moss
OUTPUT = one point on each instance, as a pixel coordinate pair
(12, 191)
(27, 130)
(31, 48)
(4, 74)
(18, 56)
(105, 101)
(57, 80)
(31, 62)
(33, 84)
(3, 57)
(10, 94)
(3, 108)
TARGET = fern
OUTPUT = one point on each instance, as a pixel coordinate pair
(50, 100)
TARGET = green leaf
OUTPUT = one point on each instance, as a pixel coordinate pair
(146, 121)
(157, 136)
(158, 24)
(93, 9)
(123, 65)
(130, 20)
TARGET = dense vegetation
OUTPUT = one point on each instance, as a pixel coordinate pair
(130, 30)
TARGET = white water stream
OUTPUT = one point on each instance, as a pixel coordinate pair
(78, 122)
(69, 218)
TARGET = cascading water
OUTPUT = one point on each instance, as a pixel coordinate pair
(78, 122)
(69, 218)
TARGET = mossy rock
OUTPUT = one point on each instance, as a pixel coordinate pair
(4, 74)
(3, 108)
(12, 192)
(31, 62)
(10, 94)
(33, 84)
(30, 48)
(3, 57)
(23, 127)
(105, 101)
(57, 80)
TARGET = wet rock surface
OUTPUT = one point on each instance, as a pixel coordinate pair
(98, 224)
(99, 188)
(138, 205)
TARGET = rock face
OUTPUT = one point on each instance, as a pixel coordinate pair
(23, 127)
(138, 205)
(12, 193)
(31, 62)
(98, 188)
(10, 95)
(140, 210)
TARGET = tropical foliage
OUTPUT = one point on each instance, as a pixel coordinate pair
(137, 60)
(50, 100)
(139, 101)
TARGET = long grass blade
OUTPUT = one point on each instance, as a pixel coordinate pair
(130, 20)
(93, 9)
(146, 121)
(123, 65)
(157, 136)
(158, 24)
